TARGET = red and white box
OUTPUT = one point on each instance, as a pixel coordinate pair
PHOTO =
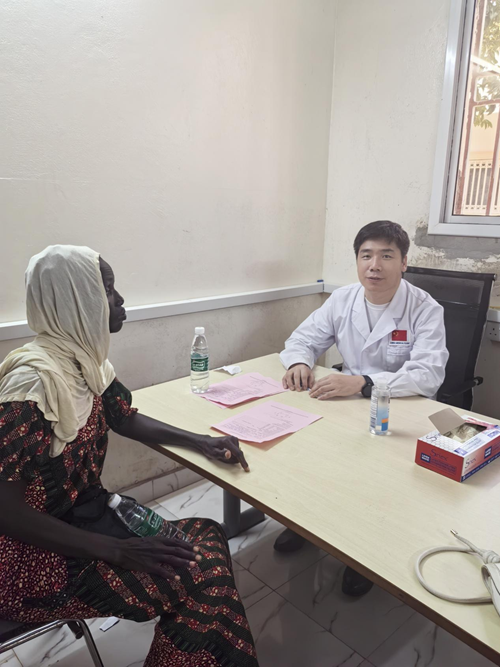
(453, 459)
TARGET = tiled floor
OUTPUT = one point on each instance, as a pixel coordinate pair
(297, 612)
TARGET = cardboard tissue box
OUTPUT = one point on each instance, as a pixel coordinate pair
(459, 447)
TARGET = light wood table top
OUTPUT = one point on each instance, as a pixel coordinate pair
(359, 497)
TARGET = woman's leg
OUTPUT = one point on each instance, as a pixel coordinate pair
(202, 619)
(209, 626)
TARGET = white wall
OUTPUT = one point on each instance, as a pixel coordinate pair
(386, 100)
(388, 77)
(186, 141)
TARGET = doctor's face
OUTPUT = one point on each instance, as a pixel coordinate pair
(380, 267)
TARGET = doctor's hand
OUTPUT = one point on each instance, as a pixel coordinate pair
(336, 385)
(298, 377)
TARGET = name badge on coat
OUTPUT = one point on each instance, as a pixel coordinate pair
(399, 342)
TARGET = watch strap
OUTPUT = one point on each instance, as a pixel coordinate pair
(367, 389)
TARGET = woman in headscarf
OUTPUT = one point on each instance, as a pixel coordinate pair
(58, 398)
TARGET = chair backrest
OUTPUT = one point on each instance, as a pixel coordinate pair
(465, 298)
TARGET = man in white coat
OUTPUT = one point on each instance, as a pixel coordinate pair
(384, 328)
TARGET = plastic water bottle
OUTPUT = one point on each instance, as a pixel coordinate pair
(143, 521)
(379, 409)
(199, 362)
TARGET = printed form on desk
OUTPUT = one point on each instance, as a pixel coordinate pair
(266, 422)
(241, 389)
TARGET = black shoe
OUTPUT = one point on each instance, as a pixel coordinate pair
(354, 584)
(288, 541)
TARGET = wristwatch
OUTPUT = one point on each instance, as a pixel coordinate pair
(367, 389)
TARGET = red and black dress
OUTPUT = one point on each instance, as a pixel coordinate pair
(202, 620)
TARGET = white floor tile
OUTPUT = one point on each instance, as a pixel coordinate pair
(285, 637)
(174, 481)
(143, 493)
(254, 550)
(159, 509)
(9, 660)
(48, 648)
(202, 499)
(94, 625)
(420, 643)
(124, 645)
(297, 612)
(60, 647)
(250, 588)
(165, 485)
(363, 623)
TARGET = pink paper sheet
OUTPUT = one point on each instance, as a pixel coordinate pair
(266, 422)
(242, 388)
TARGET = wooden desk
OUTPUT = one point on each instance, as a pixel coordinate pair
(357, 496)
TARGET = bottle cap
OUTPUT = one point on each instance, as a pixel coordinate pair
(114, 501)
(199, 331)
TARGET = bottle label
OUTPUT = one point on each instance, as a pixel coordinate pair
(379, 416)
(152, 526)
(199, 364)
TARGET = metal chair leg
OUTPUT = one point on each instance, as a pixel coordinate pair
(75, 629)
(89, 640)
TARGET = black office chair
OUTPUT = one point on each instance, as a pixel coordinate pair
(14, 634)
(465, 298)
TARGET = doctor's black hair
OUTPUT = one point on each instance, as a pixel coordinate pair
(383, 229)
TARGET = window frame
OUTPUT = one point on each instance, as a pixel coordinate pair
(441, 218)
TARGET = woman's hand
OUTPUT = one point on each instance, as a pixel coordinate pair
(151, 554)
(225, 449)
(144, 554)
(144, 429)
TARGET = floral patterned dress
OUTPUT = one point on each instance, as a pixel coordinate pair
(202, 620)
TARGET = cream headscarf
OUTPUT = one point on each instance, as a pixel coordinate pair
(67, 363)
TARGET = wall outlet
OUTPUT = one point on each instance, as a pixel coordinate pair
(493, 331)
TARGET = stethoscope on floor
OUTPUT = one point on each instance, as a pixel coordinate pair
(490, 571)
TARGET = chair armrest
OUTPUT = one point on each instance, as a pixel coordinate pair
(461, 389)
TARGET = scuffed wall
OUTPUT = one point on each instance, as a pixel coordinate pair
(458, 254)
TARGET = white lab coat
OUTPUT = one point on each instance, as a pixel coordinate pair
(412, 366)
